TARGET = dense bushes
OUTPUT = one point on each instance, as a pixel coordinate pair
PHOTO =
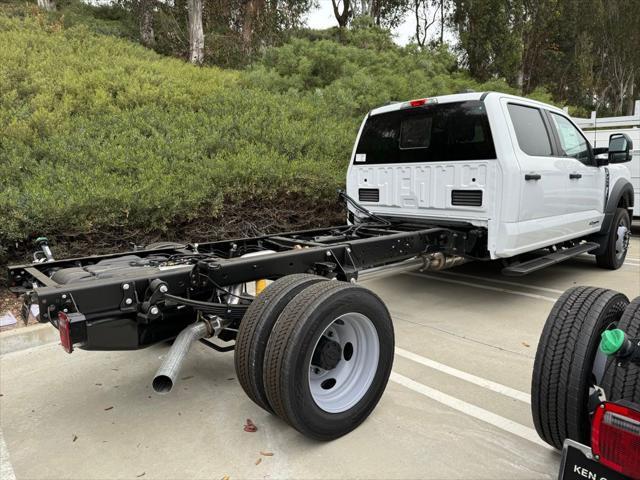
(97, 133)
(99, 136)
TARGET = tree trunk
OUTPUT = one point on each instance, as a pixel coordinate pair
(48, 5)
(441, 22)
(366, 7)
(147, 35)
(196, 32)
(252, 11)
(419, 39)
(343, 18)
(520, 79)
(631, 98)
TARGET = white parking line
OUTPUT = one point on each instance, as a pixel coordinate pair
(484, 287)
(6, 469)
(468, 409)
(503, 282)
(468, 377)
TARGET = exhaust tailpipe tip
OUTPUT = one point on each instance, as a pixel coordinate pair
(167, 374)
(162, 384)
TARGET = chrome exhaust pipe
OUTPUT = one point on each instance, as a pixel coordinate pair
(392, 269)
(167, 374)
(426, 262)
(440, 261)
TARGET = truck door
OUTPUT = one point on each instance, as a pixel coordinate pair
(584, 196)
(542, 217)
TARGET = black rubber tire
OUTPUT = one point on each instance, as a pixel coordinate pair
(562, 372)
(255, 328)
(290, 348)
(623, 382)
(608, 259)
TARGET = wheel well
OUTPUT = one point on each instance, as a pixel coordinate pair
(626, 201)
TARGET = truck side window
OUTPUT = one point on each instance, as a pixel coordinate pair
(532, 135)
(572, 142)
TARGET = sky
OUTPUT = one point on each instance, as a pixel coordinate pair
(322, 17)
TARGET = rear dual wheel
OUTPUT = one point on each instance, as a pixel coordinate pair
(328, 358)
(256, 327)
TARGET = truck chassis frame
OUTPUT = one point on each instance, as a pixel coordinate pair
(136, 309)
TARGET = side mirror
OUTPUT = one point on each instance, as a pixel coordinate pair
(620, 146)
(601, 154)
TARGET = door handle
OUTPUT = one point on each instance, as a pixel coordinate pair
(532, 176)
(575, 176)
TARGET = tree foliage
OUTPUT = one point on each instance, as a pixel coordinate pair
(584, 51)
(490, 33)
(102, 137)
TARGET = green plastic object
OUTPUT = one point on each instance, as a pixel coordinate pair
(611, 341)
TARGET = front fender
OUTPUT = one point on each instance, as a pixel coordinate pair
(621, 189)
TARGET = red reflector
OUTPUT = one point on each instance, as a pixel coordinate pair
(64, 327)
(418, 102)
(615, 438)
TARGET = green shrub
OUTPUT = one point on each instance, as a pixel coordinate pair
(99, 135)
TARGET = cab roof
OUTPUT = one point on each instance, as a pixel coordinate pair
(460, 97)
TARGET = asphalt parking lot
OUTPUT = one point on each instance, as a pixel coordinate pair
(457, 404)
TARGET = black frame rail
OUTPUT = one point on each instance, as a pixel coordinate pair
(127, 311)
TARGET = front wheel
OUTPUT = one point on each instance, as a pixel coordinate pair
(329, 358)
(617, 241)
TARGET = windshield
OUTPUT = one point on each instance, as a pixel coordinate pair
(431, 133)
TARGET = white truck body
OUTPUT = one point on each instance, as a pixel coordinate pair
(526, 200)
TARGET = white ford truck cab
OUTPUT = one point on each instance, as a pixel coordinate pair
(516, 167)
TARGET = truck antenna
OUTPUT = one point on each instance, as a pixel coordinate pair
(595, 127)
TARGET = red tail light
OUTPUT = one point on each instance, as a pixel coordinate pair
(417, 103)
(64, 327)
(615, 438)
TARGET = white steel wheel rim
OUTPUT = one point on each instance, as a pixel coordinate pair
(339, 389)
(622, 239)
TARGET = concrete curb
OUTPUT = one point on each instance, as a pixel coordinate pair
(27, 337)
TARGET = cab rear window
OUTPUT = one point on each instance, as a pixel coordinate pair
(432, 133)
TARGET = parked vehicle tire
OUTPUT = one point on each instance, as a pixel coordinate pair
(617, 241)
(255, 328)
(329, 358)
(563, 368)
(622, 381)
